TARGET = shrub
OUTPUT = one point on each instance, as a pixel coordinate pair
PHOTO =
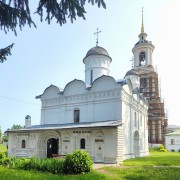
(77, 163)
(154, 149)
(162, 148)
(172, 150)
(49, 165)
(2, 155)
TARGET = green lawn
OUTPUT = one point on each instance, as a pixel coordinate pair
(3, 148)
(156, 159)
(142, 173)
(152, 167)
(12, 174)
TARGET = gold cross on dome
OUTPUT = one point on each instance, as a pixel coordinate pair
(97, 36)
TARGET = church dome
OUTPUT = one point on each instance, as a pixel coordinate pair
(132, 72)
(97, 50)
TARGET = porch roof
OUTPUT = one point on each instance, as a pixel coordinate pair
(67, 126)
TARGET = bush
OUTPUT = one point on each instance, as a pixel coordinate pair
(49, 165)
(162, 148)
(154, 149)
(77, 163)
(2, 155)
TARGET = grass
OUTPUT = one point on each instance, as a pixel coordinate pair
(142, 173)
(156, 159)
(153, 167)
(3, 148)
(13, 174)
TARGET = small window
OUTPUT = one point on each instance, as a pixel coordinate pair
(172, 141)
(76, 115)
(23, 145)
(82, 143)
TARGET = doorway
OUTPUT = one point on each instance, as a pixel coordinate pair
(52, 147)
(99, 152)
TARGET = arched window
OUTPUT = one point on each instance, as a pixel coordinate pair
(82, 143)
(23, 145)
(76, 115)
(142, 57)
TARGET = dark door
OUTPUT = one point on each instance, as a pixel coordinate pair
(52, 147)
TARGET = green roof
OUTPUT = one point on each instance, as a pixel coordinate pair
(174, 133)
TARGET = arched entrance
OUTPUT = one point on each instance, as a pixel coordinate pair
(52, 147)
(136, 144)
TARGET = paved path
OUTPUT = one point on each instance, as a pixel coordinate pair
(99, 165)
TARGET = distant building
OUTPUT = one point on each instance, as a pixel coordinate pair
(172, 141)
(172, 128)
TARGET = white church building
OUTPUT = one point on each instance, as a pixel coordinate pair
(106, 117)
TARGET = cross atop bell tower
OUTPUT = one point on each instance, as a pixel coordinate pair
(97, 36)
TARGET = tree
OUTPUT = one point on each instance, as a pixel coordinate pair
(14, 13)
(0, 133)
(15, 126)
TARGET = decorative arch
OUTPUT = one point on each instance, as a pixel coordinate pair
(142, 57)
(23, 144)
(82, 143)
(43, 140)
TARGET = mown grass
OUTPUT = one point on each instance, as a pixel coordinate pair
(155, 159)
(12, 174)
(143, 173)
(132, 169)
(3, 148)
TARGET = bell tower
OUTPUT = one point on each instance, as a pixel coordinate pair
(149, 87)
(143, 50)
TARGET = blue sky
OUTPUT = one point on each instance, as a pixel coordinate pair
(52, 54)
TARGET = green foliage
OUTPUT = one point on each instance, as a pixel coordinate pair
(5, 137)
(3, 148)
(45, 165)
(15, 126)
(16, 13)
(159, 148)
(2, 155)
(4, 53)
(153, 149)
(77, 163)
(162, 148)
(0, 133)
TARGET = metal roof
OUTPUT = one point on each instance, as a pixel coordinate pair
(68, 126)
(175, 133)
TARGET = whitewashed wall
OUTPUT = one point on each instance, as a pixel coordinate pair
(99, 103)
(36, 143)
